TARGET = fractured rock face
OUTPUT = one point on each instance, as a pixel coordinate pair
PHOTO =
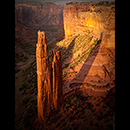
(82, 16)
(44, 76)
(98, 18)
(57, 77)
(49, 88)
(37, 14)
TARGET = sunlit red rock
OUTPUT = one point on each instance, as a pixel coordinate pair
(79, 17)
(100, 19)
(57, 78)
(43, 77)
(49, 88)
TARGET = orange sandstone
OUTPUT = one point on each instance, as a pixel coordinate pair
(43, 77)
(49, 88)
(57, 78)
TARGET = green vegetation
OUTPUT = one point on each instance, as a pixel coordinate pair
(18, 127)
(57, 125)
(29, 83)
(105, 3)
(29, 48)
(25, 100)
(23, 58)
(23, 85)
(76, 48)
(71, 3)
(110, 126)
(26, 45)
(76, 112)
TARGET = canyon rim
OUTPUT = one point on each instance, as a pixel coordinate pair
(65, 65)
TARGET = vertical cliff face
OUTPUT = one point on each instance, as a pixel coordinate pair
(98, 16)
(37, 14)
(99, 19)
(49, 88)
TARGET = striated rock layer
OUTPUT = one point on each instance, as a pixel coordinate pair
(37, 14)
(31, 17)
(98, 18)
(49, 88)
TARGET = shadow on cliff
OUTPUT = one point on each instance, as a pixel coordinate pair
(68, 52)
(88, 63)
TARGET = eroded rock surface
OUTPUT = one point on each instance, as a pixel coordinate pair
(99, 18)
(49, 82)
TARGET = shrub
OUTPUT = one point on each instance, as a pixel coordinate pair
(25, 100)
(57, 125)
(18, 127)
(97, 104)
(26, 45)
(110, 126)
(64, 124)
(23, 58)
(72, 118)
(23, 85)
(98, 81)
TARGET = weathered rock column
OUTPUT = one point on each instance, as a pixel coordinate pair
(43, 77)
(50, 93)
(57, 78)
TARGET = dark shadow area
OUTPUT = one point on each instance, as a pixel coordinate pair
(88, 63)
(65, 53)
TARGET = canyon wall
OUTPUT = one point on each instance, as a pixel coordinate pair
(49, 78)
(37, 14)
(99, 19)
(97, 16)
(31, 17)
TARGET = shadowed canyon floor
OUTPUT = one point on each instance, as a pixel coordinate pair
(88, 64)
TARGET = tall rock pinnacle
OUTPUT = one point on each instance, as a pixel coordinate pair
(50, 93)
(57, 78)
(43, 77)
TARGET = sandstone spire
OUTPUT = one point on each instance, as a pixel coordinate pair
(57, 78)
(49, 87)
(43, 77)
